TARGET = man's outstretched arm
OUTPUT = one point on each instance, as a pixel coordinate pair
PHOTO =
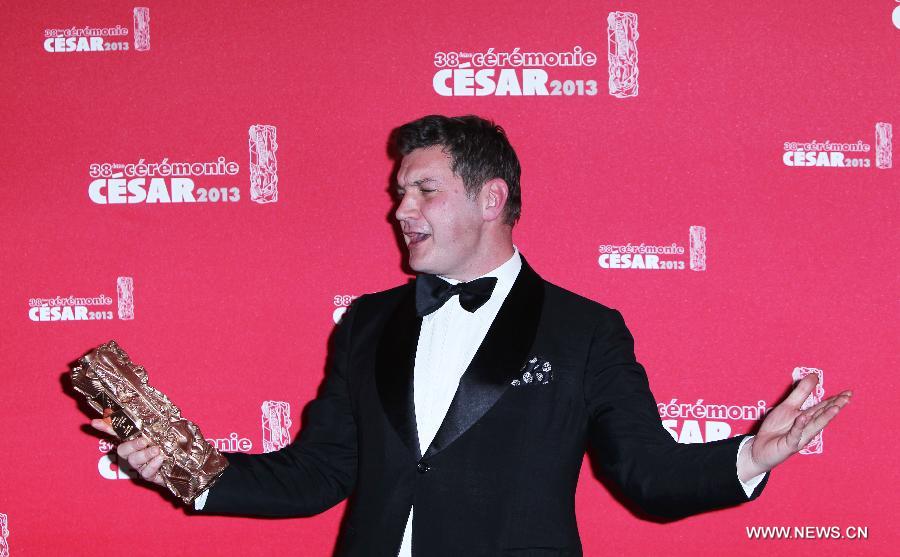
(667, 478)
(311, 475)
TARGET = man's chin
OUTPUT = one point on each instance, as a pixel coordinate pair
(419, 264)
(416, 267)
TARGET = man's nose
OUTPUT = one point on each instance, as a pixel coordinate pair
(407, 208)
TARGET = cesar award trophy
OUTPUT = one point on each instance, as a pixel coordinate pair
(118, 389)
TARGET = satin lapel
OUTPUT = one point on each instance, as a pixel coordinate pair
(394, 365)
(497, 361)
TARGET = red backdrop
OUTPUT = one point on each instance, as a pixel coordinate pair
(230, 301)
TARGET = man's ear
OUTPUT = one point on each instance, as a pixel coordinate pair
(494, 194)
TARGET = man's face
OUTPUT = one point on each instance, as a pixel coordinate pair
(441, 226)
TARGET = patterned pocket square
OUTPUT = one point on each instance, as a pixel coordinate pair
(536, 371)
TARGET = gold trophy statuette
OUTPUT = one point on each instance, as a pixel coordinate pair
(118, 389)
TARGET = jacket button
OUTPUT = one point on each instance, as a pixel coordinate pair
(422, 467)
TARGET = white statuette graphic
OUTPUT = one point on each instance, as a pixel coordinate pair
(622, 36)
(815, 444)
(4, 533)
(263, 164)
(125, 290)
(883, 145)
(698, 248)
(276, 425)
(142, 29)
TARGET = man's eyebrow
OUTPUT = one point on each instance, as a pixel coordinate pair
(418, 183)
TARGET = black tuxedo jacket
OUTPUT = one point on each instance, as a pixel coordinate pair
(500, 476)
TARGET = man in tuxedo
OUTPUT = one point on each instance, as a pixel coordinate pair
(458, 408)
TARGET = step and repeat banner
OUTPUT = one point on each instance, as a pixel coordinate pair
(208, 184)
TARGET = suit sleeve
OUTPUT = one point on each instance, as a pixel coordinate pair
(663, 477)
(312, 474)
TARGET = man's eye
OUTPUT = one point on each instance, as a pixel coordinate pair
(424, 190)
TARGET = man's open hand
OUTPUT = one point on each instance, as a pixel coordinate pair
(143, 456)
(787, 429)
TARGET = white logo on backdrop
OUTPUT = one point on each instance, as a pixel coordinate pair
(341, 302)
(125, 291)
(514, 73)
(698, 248)
(86, 38)
(276, 425)
(895, 16)
(4, 533)
(657, 257)
(622, 36)
(815, 444)
(69, 308)
(837, 154)
(884, 144)
(142, 29)
(112, 468)
(109, 466)
(117, 183)
(683, 420)
(232, 443)
(263, 164)
(77, 308)
(712, 415)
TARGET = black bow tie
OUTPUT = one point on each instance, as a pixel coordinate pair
(432, 292)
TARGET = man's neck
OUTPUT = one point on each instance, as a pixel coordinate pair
(486, 265)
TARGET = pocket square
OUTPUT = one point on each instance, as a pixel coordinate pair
(536, 371)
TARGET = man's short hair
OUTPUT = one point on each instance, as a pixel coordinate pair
(479, 151)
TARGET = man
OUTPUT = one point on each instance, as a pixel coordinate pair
(457, 410)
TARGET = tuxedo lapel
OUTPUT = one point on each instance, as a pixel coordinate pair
(394, 365)
(497, 361)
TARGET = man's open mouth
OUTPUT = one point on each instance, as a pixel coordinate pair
(416, 237)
